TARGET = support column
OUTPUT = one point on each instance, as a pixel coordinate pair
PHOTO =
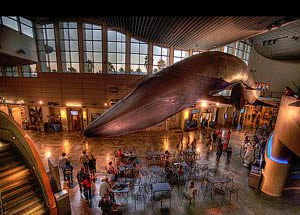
(127, 54)
(64, 119)
(171, 58)
(190, 52)
(19, 70)
(45, 111)
(58, 48)
(84, 116)
(150, 58)
(104, 49)
(80, 46)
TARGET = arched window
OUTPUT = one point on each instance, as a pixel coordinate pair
(138, 57)
(92, 46)
(47, 47)
(229, 48)
(69, 46)
(242, 50)
(161, 57)
(196, 52)
(116, 52)
(180, 55)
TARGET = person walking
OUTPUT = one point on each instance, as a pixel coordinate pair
(80, 177)
(219, 149)
(229, 153)
(84, 160)
(62, 162)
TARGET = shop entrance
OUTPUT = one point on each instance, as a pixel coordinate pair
(75, 119)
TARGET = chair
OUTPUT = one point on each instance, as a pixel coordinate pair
(232, 188)
(139, 196)
(219, 191)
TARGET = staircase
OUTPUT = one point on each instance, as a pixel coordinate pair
(20, 192)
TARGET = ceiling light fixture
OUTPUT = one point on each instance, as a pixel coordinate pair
(40, 102)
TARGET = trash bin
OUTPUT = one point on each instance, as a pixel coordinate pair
(63, 202)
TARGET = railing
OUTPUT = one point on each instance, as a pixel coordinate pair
(1, 205)
(31, 156)
(270, 94)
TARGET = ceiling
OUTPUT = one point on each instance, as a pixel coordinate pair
(280, 44)
(187, 32)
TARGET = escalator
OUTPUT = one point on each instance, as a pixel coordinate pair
(20, 192)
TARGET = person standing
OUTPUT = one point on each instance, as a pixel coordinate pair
(84, 160)
(92, 166)
(219, 149)
(62, 162)
(229, 153)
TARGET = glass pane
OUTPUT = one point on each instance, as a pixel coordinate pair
(52, 56)
(74, 45)
(156, 50)
(10, 23)
(120, 47)
(49, 26)
(97, 56)
(176, 59)
(121, 68)
(177, 53)
(89, 67)
(112, 47)
(96, 27)
(25, 21)
(51, 43)
(97, 67)
(85, 25)
(73, 34)
(134, 40)
(165, 59)
(53, 67)
(74, 57)
(89, 56)
(72, 25)
(185, 54)
(133, 68)
(88, 45)
(225, 49)
(156, 59)
(75, 67)
(26, 30)
(165, 51)
(142, 59)
(134, 48)
(88, 35)
(120, 37)
(65, 35)
(65, 24)
(144, 69)
(50, 34)
(155, 69)
(120, 58)
(144, 48)
(112, 58)
(134, 59)
(96, 34)
(98, 46)
(112, 36)
(65, 45)
(67, 56)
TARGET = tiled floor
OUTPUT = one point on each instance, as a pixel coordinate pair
(250, 201)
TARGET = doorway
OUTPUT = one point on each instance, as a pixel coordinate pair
(75, 119)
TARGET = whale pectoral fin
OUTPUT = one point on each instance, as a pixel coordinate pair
(220, 99)
(227, 86)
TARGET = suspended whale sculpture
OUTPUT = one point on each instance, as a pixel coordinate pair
(179, 86)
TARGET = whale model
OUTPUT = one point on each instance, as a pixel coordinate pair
(174, 88)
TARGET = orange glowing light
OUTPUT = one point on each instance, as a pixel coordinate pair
(41, 102)
(105, 104)
(204, 104)
(186, 114)
(48, 154)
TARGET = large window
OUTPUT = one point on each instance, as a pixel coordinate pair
(69, 46)
(92, 36)
(116, 52)
(11, 71)
(242, 50)
(229, 48)
(14, 22)
(196, 52)
(180, 55)
(11, 22)
(161, 57)
(138, 57)
(47, 50)
(26, 27)
(29, 70)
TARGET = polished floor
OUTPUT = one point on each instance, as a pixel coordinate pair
(250, 202)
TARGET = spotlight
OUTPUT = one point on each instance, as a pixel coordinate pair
(217, 104)
(40, 102)
(105, 103)
(204, 104)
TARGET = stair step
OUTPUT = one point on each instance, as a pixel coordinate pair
(20, 198)
(22, 206)
(6, 160)
(11, 171)
(11, 195)
(9, 165)
(8, 153)
(5, 146)
(33, 209)
(40, 211)
(18, 176)
(16, 185)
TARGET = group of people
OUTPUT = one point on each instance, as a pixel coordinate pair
(214, 140)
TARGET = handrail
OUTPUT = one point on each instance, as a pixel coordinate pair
(25, 145)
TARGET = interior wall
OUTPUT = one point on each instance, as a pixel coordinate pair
(11, 41)
(278, 73)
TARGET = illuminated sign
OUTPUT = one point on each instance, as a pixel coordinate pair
(270, 152)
